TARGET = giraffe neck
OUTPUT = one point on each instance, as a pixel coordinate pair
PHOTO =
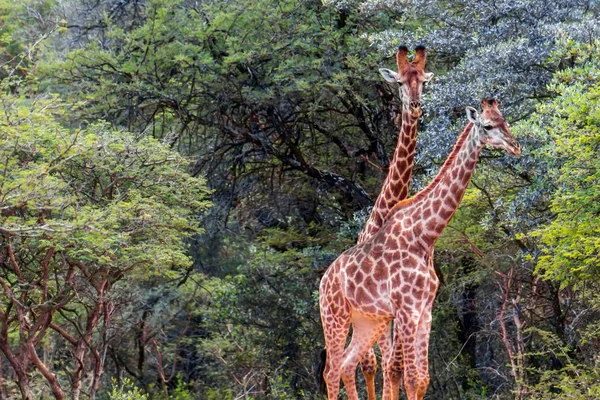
(396, 184)
(436, 204)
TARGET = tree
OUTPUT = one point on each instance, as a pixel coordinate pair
(570, 242)
(25, 25)
(280, 106)
(268, 95)
(85, 212)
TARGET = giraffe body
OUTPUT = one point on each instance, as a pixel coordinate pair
(390, 276)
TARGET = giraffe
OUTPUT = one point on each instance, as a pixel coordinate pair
(411, 77)
(391, 277)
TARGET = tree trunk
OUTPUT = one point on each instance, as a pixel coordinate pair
(24, 386)
(19, 365)
(3, 394)
(79, 355)
(59, 394)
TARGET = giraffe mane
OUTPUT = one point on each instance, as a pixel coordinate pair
(447, 165)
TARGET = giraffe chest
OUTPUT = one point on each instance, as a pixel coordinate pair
(376, 285)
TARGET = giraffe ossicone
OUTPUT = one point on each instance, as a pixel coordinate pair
(390, 276)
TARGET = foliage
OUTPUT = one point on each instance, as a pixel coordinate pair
(279, 105)
(568, 383)
(126, 391)
(98, 195)
(573, 380)
(569, 127)
(84, 212)
(254, 91)
(572, 240)
(23, 26)
(503, 49)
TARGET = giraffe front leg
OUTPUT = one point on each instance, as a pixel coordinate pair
(422, 348)
(336, 323)
(365, 332)
(395, 364)
(409, 317)
(386, 345)
(368, 366)
(424, 333)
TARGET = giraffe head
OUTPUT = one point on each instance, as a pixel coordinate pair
(411, 76)
(493, 129)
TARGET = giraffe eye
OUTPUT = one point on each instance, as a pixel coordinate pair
(488, 127)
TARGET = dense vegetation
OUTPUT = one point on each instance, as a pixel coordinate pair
(175, 177)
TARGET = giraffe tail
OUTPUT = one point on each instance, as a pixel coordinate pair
(320, 371)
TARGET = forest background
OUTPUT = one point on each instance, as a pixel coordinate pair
(175, 177)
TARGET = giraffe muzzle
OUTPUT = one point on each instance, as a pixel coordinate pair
(415, 109)
(515, 148)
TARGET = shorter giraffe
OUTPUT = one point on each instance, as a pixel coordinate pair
(391, 277)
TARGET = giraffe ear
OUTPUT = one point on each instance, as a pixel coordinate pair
(472, 115)
(428, 76)
(388, 74)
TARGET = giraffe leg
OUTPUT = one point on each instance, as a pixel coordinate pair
(336, 332)
(423, 333)
(422, 345)
(395, 364)
(335, 318)
(365, 332)
(409, 318)
(368, 366)
(385, 343)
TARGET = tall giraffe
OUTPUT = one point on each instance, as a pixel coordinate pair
(411, 77)
(391, 277)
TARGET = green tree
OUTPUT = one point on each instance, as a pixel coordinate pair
(280, 106)
(572, 126)
(253, 90)
(86, 213)
(23, 27)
